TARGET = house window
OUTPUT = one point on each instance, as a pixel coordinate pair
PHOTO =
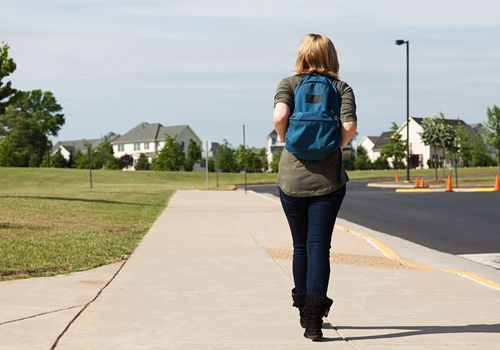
(121, 147)
(146, 145)
(137, 146)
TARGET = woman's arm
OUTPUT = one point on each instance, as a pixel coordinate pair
(348, 132)
(280, 119)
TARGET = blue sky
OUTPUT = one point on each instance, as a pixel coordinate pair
(215, 64)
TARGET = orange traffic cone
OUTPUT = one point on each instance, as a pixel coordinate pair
(422, 183)
(396, 178)
(448, 184)
(416, 182)
(497, 183)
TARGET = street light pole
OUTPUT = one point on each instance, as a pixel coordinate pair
(401, 42)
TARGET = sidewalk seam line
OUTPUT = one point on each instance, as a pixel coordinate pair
(390, 254)
(54, 345)
(40, 314)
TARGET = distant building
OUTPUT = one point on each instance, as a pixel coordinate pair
(70, 148)
(420, 154)
(368, 142)
(477, 128)
(149, 138)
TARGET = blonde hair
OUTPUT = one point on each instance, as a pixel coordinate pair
(317, 54)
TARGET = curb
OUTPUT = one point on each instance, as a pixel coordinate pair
(391, 254)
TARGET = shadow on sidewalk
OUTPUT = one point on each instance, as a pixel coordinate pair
(421, 330)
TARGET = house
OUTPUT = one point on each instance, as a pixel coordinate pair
(149, 138)
(380, 143)
(477, 128)
(68, 149)
(420, 154)
(368, 142)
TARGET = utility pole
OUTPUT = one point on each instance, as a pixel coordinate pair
(206, 163)
(407, 42)
(89, 155)
(245, 155)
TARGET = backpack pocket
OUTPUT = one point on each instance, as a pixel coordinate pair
(312, 135)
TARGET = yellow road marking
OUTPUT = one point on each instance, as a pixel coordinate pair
(416, 190)
(391, 254)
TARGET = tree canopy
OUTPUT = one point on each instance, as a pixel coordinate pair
(395, 147)
(7, 67)
(27, 120)
(192, 156)
(170, 157)
(438, 134)
(492, 130)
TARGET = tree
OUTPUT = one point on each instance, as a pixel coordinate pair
(276, 161)
(463, 145)
(103, 156)
(479, 153)
(395, 147)
(381, 163)
(227, 161)
(81, 160)
(439, 135)
(192, 156)
(126, 161)
(348, 161)
(249, 158)
(362, 162)
(7, 67)
(27, 145)
(7, 156)
(28, 122)
(170, 157)
(58, 160)
(492, 130)
(142, 162)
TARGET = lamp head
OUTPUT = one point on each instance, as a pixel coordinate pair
(400, 42)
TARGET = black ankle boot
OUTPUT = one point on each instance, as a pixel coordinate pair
(298, 301)
(316, 307)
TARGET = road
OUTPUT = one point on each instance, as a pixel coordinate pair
(456, 223)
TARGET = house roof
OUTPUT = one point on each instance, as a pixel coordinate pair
(372, 138)
(382, 140)
(152, 132)
(272, 134)
(75, 146)
(453, 122)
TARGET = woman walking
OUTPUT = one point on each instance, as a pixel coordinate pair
(315, 115)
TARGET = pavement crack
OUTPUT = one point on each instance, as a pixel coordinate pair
(40, 314)
(56, 342)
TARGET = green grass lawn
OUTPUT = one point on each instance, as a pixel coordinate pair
(51, 222)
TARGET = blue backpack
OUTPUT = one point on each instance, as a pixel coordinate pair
(313, 131)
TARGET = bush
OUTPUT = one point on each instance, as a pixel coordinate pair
(142, 163)
(381, 163)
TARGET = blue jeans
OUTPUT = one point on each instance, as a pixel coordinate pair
(311, 221)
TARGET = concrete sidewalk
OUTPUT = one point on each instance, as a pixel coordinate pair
(214, 273)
